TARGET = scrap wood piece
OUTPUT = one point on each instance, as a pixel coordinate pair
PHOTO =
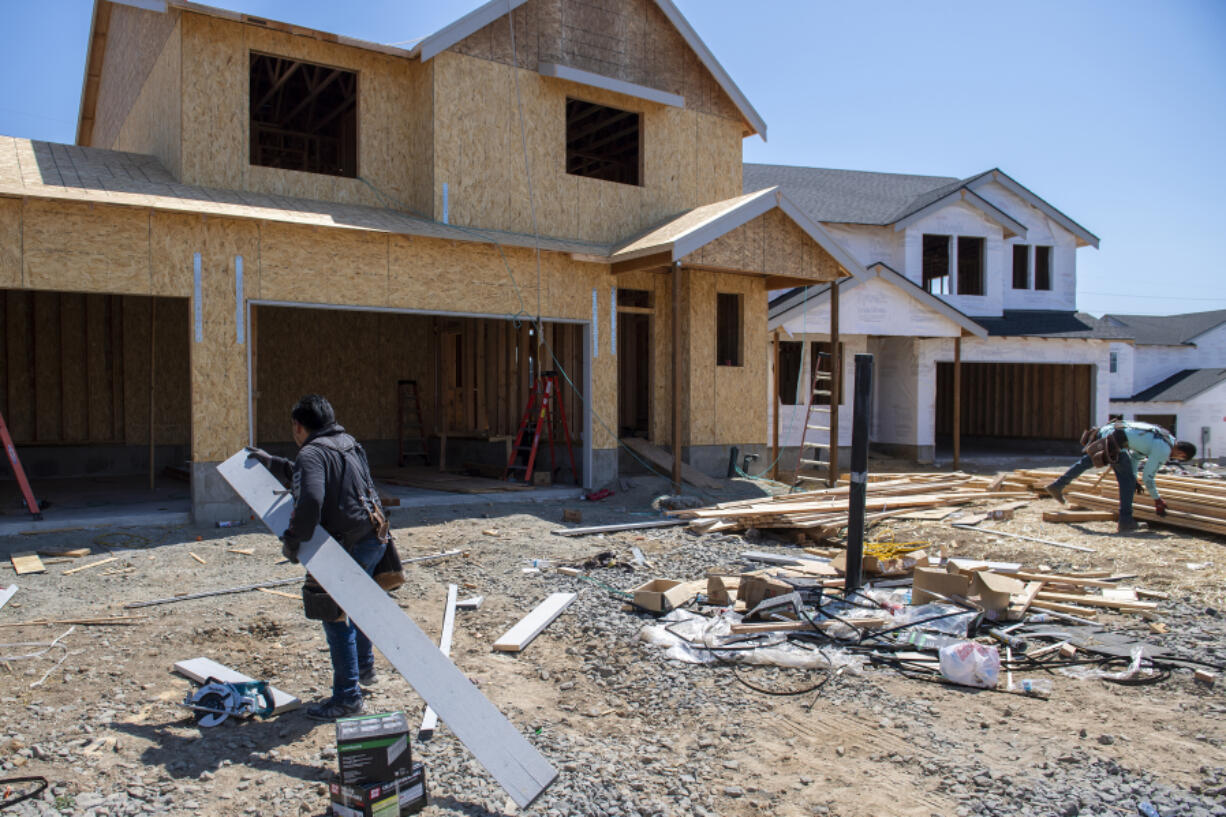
(28, 562)
(280, 593)
(65, 553)
(501, 748)
(1021, 602)
(6, 594)
(1068, 609)
(446, 554)
(531, 625)
(201, 669)
(662, 459)
(95, 622)
(471, 603)
(89, 566)
(659, 523)
(430, 719)
(995, 532)
(197, 558)
(1078, 516)
(241, 551)
(1098, 601)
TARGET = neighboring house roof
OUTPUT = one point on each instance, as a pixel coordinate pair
(1049, 323)
(1179, 387)
(1169, 330)
(698, 227)
(883, 199)
(805, 297)
(72, 173)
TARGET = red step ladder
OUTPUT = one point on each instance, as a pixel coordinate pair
(538, 419)
(11, 450)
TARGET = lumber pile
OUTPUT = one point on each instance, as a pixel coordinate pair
(1195, 504)
(821, 514)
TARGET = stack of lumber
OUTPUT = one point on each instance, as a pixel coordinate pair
(1196, 504)
(820, 514)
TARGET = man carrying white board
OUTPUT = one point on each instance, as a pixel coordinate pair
(332, 488)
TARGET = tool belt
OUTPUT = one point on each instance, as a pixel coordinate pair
(1104, 451)
(389, 572)
(317, 605)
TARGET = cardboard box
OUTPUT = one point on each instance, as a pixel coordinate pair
(994, 590)
(403, 796)
(755, 588)
(722, 590)
(373, 748)
(661, 595)
(928, 581)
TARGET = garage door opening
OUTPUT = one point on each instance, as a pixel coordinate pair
(95, 389)
(1032, 407)
(470, 376)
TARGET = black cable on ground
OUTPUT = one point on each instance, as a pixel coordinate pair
(22, 798)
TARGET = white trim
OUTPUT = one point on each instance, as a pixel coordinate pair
(464, 27)
(198, 295)
(531, 625)
(430, 720)
(703, 234)
(1014, 187)
(618, 86)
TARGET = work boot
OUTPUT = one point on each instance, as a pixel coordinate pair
(368, 677)
(331, 709)
(1127, 526)
(1056, 490)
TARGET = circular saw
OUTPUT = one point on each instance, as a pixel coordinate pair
(217, 700)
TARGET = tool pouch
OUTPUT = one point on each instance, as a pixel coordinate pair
(1103, 451)
(389, 572)
(317, 605)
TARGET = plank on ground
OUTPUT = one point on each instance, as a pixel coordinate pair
(531, 625)
(201, 669)
(24, 563)
(430, 719)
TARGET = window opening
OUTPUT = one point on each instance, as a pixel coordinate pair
(639, 298)
(1042, 267)
(1115, 362)
(602, 142)
(303, 116)
(936, 264)
(727, 329)
(1021, 266)
(789, 371)
(970, 265)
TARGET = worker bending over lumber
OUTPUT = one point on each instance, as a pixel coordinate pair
(332, 487)
(1114, 444)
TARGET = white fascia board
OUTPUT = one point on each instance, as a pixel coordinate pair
(818, 233)
(620, 86)
(993, 213)
(726, 222)
(708, 59)
(158, 6)
(464, 27)
(1003, 179)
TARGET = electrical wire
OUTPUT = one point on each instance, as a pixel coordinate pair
(6, 803)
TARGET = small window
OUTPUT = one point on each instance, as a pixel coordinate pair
(936, 264)
(303, 116)
(727, 329)
(602, 143)
(1115, 362)
(638, 298)
(970, 266)
(1021, 266)
(789, 371)
(1042, 267)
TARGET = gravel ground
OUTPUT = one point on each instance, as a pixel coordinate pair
(629, 732)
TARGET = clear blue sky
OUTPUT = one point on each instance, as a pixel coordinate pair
(1112, 110)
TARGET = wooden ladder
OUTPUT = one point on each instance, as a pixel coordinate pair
(818, 433)
(538, 419)
(11, 450)
(409, 420)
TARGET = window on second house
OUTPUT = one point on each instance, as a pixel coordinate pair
(303, 116)
(727, 329)
(602, 142)
(1115, 362)
(1042, 267)
(1021, 266)
(970, 265)
(936, 264)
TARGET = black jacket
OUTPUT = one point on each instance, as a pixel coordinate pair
(328, 479)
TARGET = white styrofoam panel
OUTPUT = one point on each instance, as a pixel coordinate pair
(875, 307)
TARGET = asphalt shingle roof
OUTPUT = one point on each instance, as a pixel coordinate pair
(1052, 324)
(1169, 330)
(1181, 386)
(851, 196)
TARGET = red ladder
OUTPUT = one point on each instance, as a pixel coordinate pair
(409, 419)
(539, 416)
(11, 450)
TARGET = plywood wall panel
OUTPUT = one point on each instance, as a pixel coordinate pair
(173, 240)
(135, 40)
(153, 124)
(215, 102)
(318, 265)
(85, 248)
(10, 243)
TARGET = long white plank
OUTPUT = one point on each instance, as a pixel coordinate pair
(7, 593)
(531, 625)
(430, 720)
(505, 753)
(201, 669)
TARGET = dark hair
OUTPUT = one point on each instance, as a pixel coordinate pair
(314, 412)
(1187, 448)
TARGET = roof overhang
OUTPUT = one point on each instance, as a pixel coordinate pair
(1012, 227)
(1084, 237)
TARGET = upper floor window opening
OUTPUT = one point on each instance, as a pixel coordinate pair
(603, 143)
(1021, 266)
(1042, 267)
(1114, 362)
(303, 116)
(727, 329)
(936, 264)
(970, 265)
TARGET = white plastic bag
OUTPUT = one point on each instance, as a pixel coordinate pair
(971, 664)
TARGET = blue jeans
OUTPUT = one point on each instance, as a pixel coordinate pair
(1124, 475)
(352, 653)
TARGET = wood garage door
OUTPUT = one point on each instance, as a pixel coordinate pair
(1043, 401)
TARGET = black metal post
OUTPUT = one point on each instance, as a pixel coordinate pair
(861, 420)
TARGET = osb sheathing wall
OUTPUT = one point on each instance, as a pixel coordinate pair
(75, 368)
(773, 244)
(153, 125)
(395, 111)
(689, 158)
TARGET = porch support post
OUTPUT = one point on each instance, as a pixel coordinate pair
(836, 384)
(676, 377)
(775, 406)
(957, 402)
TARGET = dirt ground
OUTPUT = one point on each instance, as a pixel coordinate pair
(630, 732)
